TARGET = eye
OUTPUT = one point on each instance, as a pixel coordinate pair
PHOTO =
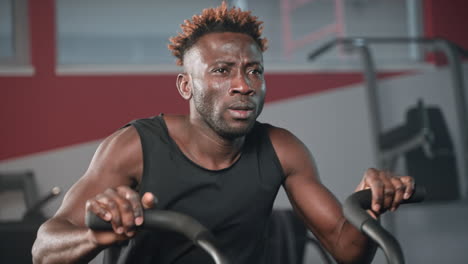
(256, 71)
(220, 70)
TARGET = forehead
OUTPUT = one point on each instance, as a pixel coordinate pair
(226, 44)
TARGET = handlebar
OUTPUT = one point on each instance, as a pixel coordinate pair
(172, 221)
(354, 209)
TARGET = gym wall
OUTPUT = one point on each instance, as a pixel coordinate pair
(52, 123)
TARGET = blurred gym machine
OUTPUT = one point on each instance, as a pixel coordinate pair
(423, 140)
(18, 235)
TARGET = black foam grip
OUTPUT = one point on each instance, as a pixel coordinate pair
(96, 223)
(158, 219)
(355, 210)
(172, 221)
(356, 205)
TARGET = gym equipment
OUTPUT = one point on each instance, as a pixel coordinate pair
(19, 235)
(415, 133)
(386, 157)
(354, 209)
(426, 163)
(171, 221)
(425, 143)
(288, 239)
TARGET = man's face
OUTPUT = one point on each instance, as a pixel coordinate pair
(228, 88)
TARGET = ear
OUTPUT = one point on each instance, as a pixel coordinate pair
(184, 85)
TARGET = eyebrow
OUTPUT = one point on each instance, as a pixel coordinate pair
(230, 63)
(224, 62)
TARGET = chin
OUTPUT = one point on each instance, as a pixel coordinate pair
(237, 131)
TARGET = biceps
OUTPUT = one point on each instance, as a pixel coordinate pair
(316, 205)
(90, 185)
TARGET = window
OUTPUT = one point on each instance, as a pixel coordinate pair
(14, 38)
(6, 30)
(113, 32)
(120, 31)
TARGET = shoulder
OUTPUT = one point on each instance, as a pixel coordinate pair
(120, 153)
(123, 138)
(283, 140)
(280, 136)
(116, 162)
(291, 151)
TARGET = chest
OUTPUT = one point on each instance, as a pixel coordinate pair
(236, 196)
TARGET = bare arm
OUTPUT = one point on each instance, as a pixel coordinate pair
(106, 189)
(319, 209)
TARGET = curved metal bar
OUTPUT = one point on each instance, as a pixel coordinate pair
(172, 221)
(354, 210)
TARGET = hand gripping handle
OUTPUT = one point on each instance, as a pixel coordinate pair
(354, 210)
(172, 221)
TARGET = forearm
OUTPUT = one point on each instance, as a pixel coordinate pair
(352, 246)
(59, 241)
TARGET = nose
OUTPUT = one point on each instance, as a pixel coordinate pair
(241, 85)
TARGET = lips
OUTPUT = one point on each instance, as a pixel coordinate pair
(241, 110)
(242, 106)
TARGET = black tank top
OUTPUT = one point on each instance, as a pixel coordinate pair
(234, 203)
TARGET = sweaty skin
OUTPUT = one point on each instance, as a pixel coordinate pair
(224, 84)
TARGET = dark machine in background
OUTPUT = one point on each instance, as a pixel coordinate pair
(423, 140)
(425, 143)
(427, 166)
(18, 235)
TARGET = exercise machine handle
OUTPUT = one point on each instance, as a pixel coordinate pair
(171, 221)
(354, 209)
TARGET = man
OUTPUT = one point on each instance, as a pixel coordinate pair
(218, 165)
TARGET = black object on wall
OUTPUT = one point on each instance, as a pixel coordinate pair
(438, 172)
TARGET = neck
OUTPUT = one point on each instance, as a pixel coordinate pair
(207, 148)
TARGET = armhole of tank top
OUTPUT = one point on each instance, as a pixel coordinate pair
(143, 133)
(137, 125)
(266, 133)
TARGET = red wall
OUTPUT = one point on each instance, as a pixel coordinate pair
(447, 19)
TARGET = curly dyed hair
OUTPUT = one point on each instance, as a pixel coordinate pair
(219, 19)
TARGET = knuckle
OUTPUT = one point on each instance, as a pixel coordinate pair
(137, 212)
(101, 197)
(127, 207)
(88, 204)
(127, 193)
(136, 206)
(116, 219)
(123, 188)
(133, 196)
(93, 206)
(371, 174)
(399, 186)
(379, 199)
(383, 174)
(111, 204)
(379, 184)
(109, 191)
(407, 179)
